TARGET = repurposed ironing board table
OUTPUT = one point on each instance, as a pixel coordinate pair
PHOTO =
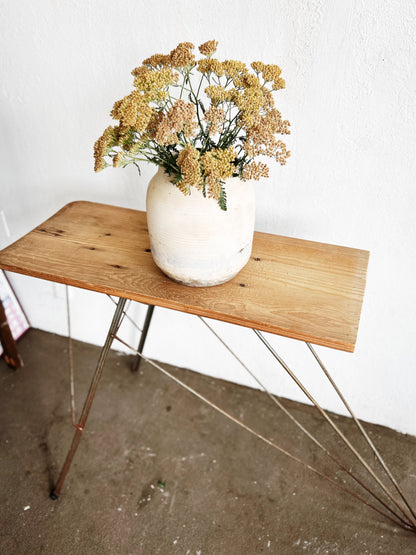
(299, 289)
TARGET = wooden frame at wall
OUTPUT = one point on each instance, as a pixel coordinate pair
(13, 323)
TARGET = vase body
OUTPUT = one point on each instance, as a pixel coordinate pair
(192, 240)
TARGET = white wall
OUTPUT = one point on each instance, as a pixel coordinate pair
(350, 69)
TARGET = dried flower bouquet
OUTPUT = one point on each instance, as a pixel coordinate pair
(201, 120)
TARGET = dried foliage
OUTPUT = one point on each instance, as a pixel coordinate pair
(201, 120)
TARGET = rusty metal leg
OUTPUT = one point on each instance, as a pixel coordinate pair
(115, 324)
(143, 336)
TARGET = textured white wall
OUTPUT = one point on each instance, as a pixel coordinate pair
(350, 69)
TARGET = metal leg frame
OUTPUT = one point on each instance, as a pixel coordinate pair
(148, 319)
(405, 521)
(143, 332)
(409, 521)
(398, 511)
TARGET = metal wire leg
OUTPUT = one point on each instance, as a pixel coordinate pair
(362, 430)
(399, 522)
(115, 324)
(143, 336)
(409, 518)
(277, 402)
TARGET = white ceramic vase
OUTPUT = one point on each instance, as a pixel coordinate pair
(192, 240)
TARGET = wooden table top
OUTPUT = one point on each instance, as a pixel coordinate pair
(291, 287)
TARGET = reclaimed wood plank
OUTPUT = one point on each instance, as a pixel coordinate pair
(300, 289)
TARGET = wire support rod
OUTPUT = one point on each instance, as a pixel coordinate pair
(277, 402)
(334, 426)
(361, 429)
(125, 315)
(262, 438)
(70, 360)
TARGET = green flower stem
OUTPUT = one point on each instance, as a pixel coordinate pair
(199, 86)
(227, 138)
(196, 102)
(185, 76)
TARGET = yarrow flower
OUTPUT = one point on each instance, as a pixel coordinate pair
(133, 110)
(208, 48)
(182, 55)
(189, 163)
(215, 117)
(218, 166)
(210, 65)
(202, 120)
(154, 82)
(261, 137)
(218, 93)
(179, 119)
(255, 170)
(157, 60)
(233, 68)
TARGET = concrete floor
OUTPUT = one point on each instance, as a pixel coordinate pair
(159, 472)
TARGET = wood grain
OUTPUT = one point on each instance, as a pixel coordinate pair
(291, 287)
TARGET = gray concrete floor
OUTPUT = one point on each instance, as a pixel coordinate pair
(159, 472)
